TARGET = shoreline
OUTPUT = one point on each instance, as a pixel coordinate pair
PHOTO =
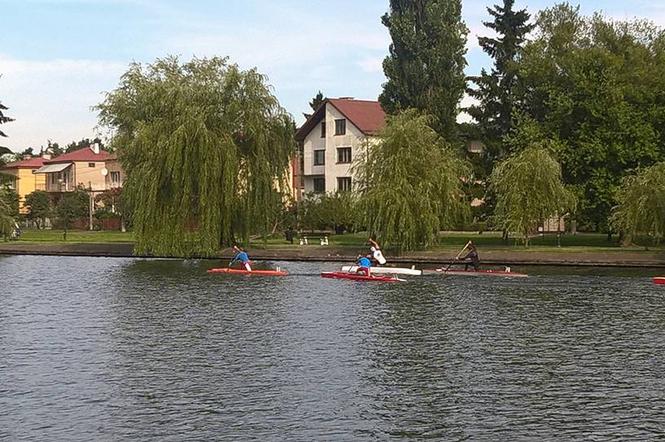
(564, 258)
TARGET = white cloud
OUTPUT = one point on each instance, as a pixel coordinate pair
(371, 64)
(53, 99)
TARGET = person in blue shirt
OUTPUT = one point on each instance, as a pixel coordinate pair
(364, 265)
(242, 257)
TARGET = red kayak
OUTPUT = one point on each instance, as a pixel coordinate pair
(359, 277)
(253, 272)
(660, 280)
(502, 273)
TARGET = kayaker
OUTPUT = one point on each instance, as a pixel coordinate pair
(241, 256)
(376, 252)
(472, 257)
(364, 265)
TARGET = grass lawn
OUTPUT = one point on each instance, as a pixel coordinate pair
(75, 236)
(451, 241)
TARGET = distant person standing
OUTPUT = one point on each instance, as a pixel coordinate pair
(242, 257)
(472, 257)
(376, 252)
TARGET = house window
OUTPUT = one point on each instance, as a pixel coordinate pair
(343, 154)
(340, 127)
(91, 164)
(344, 184)
(115, 178)
(8, 181)
(319, 157)
(319, 184)
(323, 129)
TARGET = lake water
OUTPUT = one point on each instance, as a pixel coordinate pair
(123, 349)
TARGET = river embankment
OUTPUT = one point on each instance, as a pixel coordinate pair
(507, 256)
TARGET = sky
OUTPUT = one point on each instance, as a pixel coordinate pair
(59, 57)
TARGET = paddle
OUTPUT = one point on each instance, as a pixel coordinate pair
(458, 255)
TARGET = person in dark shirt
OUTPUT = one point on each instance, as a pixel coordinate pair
(471, 257)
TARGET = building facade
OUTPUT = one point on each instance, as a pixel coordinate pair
(21, 177)
(84, 168)
(331, 139)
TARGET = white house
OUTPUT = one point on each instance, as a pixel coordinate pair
(331, 138)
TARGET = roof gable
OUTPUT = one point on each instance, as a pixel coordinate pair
(32, 163)
(84, 154)
(366, 115)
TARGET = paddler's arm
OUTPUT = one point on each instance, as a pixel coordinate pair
(235, 258)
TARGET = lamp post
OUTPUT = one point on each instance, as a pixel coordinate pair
(92, 203)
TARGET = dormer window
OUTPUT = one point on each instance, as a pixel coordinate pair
(340, 127)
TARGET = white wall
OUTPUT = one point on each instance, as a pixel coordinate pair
(331, 170)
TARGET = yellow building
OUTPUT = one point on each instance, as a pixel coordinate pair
(21, 177)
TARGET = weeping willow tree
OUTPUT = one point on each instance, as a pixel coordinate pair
(205, 146)
(529, 190)
(641, 208)
(410, 183)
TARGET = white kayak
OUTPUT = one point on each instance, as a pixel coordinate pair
(387, 270)
(505, 273)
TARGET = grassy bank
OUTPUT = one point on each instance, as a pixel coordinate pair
(74, 236)
(451, 241)
(448, 241)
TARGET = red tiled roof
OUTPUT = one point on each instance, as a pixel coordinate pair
(366, 115)
(32, 163)
(84, 154)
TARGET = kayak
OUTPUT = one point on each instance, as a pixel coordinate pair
(660, 280)
(358, 277)
(387, 270)
(502, 273)
(245, 272)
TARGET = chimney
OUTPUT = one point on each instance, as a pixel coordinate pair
(27, 156)
(95, 148)
(46, 156)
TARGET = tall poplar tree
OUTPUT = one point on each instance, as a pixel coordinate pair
(425, 67)
(497, 91)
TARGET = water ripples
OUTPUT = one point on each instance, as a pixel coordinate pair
(99, 349)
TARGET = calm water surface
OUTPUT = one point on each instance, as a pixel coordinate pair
(123, 349)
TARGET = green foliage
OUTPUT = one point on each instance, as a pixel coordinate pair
(595, 85)
(317, 101)
(410, 183)
(205, 146)
(425, 67)
(497, 91)
(4, 118)
(54, 148)
(335, 211)
(641, 208)
(39, 207)
(11, 199)
(529, 190)
(8, 211)
(72, 206)
(85, 142)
